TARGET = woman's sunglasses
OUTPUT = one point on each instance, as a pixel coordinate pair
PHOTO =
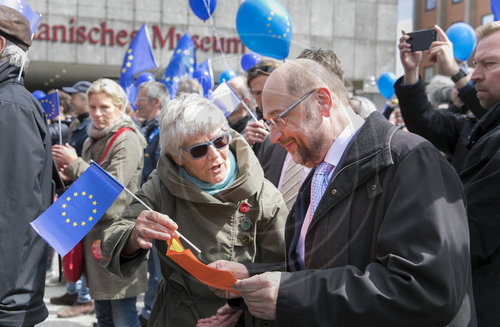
(200, 150)
(268, 69)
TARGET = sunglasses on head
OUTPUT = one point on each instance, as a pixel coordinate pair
(268, 69)
(200, 150)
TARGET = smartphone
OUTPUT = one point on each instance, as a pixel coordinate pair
(421, 40)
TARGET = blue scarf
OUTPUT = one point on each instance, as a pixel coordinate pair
(211, 188)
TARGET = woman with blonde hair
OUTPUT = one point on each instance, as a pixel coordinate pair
(116, 144)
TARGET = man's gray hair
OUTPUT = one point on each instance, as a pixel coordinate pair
(14, 55)
(156, 90)
(188, 115)
(313, 75)
(189, 85)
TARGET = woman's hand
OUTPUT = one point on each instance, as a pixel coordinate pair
(63, 154)
(150, 225)
(225, 317)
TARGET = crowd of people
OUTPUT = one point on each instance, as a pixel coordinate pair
(327, 211)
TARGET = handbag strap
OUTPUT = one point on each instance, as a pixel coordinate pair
(121, 130)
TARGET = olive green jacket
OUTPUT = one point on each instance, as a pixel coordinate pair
(218, 225)
(124, 163)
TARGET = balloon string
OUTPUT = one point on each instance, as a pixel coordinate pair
(214, 31)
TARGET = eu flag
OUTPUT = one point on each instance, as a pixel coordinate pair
(205, 76)
(50, 104)
(495, 8)
(225, 98)
(75, 212)
(181, 64)
(23, 7)
(138, 58)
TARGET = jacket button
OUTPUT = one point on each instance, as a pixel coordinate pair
(374, 187)
(245, 238)
(334, 191)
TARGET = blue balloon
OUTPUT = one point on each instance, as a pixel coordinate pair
(248, 60)
(145, 77)
(226, 75)
(265, 28)
(464, 40)
(199, 9)
(39, 94)
(385, 84)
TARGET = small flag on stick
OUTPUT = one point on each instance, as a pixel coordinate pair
(75, 212)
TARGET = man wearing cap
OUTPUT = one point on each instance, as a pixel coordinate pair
(25, 181)
(78, 128)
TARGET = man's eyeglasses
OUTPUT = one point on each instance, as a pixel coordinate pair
(138, 99)
(268, 69)
(278, 121)
(200, 150)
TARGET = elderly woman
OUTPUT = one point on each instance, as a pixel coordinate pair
(209, 183)
(117, 145)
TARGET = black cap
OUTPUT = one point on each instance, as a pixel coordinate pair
(15, 27)
(79, 87)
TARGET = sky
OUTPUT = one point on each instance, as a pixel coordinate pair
(405, 22)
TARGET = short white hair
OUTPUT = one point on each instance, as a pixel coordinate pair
(186, 116)
(15, 55)
(439, 90)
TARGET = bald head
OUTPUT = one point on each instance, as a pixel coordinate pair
(296, 77)
(312, 105)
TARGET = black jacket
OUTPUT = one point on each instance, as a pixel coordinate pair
(448, 131)
(481, 178)
(151, 132)
(25, 188)
(388, 244)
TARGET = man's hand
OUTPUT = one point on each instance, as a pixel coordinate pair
(260, 293)
(150, 225)
(410, 60)
(255, 132)
(225, 317)
(238, 270)
(441, 52)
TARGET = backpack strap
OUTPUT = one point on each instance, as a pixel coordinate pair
(108, 147)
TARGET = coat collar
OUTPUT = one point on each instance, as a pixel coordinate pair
(368, 153)
(490, 120)
(248, 183)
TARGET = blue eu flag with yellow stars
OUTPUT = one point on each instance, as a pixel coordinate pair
(23, 7)
(75, 212)
(138, 58)
(495, 8)
(181, 65)
(50, 104)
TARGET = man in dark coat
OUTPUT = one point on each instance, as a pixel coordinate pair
(445, 129)
(78, 128)
(26, 181)
(479, 168)
(378, 235)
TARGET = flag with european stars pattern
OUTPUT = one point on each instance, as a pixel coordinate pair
(181, 65)
(138, 58)
(50, 104)
(75, 212)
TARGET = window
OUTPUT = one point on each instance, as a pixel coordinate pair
(430, 4)
(428, 73)
(487, 19)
